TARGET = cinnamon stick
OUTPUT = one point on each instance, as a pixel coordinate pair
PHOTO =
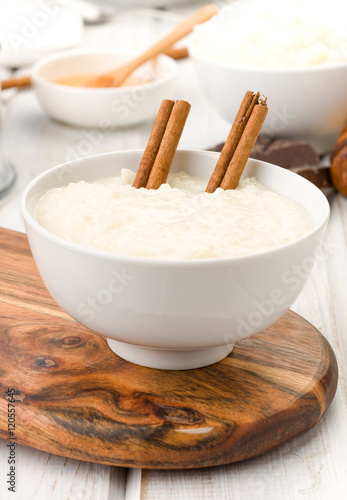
(168, 145)
(177, 52)
(24, 81)
(153, 144)
(238, 162)
(249, 101)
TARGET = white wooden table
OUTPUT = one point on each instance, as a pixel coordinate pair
(313, 466)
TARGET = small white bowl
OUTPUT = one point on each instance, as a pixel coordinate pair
(101, 107)
(308, 104)
(150, 3)
(173, 314)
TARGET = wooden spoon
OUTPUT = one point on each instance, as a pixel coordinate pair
(25, 81)
(115, 77)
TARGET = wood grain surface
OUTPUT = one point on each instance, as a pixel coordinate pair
(76, 398)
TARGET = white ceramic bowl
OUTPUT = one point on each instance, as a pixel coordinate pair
(101, 107)
(308, 104)
(31, 31)
(173, 314)
(151, 3)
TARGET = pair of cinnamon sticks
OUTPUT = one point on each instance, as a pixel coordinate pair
(162, 144)
(240, 142)
(168, 127)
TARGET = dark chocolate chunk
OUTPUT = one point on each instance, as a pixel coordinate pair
(218, 148)
(283, 152)
(320, 176)
(298, 156)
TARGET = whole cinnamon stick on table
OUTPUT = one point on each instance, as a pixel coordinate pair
(23, 81)
(177, 52)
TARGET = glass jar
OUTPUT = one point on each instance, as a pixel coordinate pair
(7, 172)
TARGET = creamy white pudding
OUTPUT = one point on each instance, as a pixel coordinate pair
(177, 221)
(298, 34)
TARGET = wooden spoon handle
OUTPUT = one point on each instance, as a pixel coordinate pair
(181, 30)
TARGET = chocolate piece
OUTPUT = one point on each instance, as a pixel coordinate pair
(297, 156)
(285, 153)
(319, 176)
(218, 148)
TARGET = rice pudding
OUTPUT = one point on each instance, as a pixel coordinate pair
(177, 221)
(302, 33)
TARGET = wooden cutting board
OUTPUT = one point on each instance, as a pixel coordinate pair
(74, 397)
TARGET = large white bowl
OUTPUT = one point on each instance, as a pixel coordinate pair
(173, 314)
(308, 104)
(101, 107)
(31, 31)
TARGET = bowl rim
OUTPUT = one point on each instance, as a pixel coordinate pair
(152, 261)
(318, 68)
(170, 63)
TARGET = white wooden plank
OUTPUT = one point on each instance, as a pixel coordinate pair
(133, 484)
(41, 475)
(337, 270)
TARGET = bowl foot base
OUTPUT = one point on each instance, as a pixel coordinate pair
(169, 359)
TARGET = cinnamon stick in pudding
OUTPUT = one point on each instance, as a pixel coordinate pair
(244, 148)
(153, 143)
(249, 101)
(168, 145)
